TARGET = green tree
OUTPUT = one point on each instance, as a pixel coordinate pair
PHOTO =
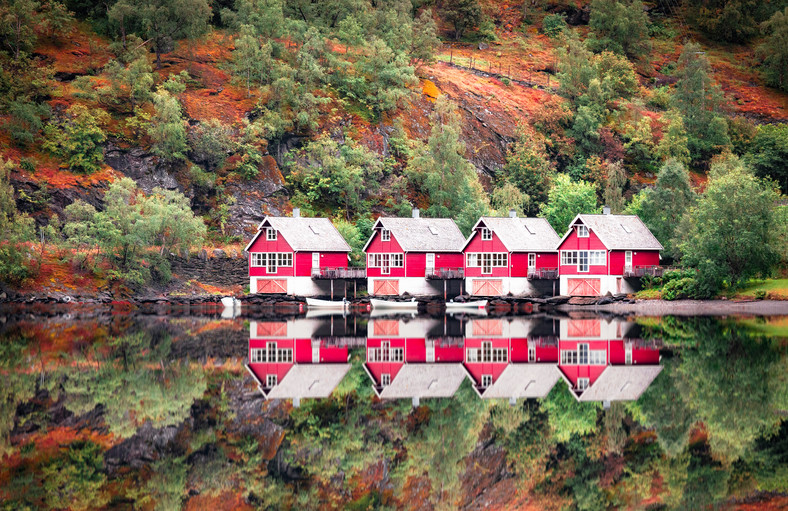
(663, 206)
(21, 20)
(161, 22)
(356, 234)
(615, 182)
(388, 76)
(79, 138)
(76, 479)
(697, 98)
(566, 415)
(768, 154)
(729, 235)
(462, 14)
(441, 171)
(167, 128)
(620, 26)
(266, 17)
(774, 50)
(130, 85)
(674, 139)
(729, 20)
(327, 176)
(424, 41)
(27, 119)
(528, 167)
(211, 142)
(566, 199)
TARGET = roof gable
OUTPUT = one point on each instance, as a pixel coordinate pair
(305, 234)
(520, 234)
(421, 234)
(617, 232)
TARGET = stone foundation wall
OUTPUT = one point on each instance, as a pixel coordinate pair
(216, 271)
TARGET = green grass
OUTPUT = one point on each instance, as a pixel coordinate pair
(773, 327)
(774, 288)
(649, 294)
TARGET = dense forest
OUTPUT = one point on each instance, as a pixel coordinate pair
(133, 129)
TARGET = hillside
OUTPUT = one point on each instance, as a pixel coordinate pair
(258, 107)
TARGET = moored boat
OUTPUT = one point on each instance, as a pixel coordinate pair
(314, 303)
(476, 304)
(377, 303)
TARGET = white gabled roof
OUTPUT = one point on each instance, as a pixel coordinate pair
(306, 381)
(621, 383)
(424, 381)
(523, 380)
(305, 234)
(520, 234)
(422, 234)
(618, 232)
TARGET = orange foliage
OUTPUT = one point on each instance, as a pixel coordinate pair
(430, 90)
(82, 52)
(225, 501)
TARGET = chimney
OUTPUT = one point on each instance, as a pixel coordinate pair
(512, 213)
(605, 210)
(415, 400)
(296, 212)
(512, 401)
(415, 212)
(296, 402)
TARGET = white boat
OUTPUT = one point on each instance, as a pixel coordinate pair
(231, 302)
(314, 303)
(476, 304)
(377, 303)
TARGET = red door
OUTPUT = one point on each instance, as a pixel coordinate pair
(386, 287)
(488, 287)
(272, 286)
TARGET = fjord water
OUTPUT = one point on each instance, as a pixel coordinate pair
(106, 409)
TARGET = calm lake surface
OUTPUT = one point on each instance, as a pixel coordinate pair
(106, 408)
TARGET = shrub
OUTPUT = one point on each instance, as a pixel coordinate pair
(79, 139)
(760, 294)
(554, 24)
(684, 287)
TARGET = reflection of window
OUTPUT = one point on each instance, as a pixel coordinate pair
(385, 235)
(270, 354)
(487, 353)
(270, 380)
(486, 380)
(385, 379)
(582, 383)
(386, 353)
(582, 353)
(569, 357)
(628, 354)
(531, 353)
(486, 234)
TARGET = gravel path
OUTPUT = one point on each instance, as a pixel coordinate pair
(688, 308)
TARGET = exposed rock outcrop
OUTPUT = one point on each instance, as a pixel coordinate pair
(146, 169)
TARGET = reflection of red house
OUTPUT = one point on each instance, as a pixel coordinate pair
(414, 255)
(601, 363)
(292, 255)
(508, 255)
(600, 252)
(287, 362)
(404, 359)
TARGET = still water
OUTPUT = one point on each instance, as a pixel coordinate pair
(110, 409)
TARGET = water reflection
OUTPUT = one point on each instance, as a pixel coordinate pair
(600, 360)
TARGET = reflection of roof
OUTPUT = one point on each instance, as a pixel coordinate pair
(620, 232)
(306, 234)
(621, 383)
(309, 380)
(424, 234)
(523, 381)
(523, 234)
(425, 380)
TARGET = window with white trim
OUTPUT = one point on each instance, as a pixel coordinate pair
(583, 356)
(270, 354)
(486, 380)
(582, 231)
(385, 260)
(487, 260)
(583, 258)
(532, 353)
(270, 234)
(486, 353)
(486, 234)
(385, 235)
(386, 354)
(271, 260)
(270, 380)
(385, 379)
(628, 353)
(582, 384)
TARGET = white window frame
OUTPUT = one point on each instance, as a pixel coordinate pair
(582, 353)
(385, 235)
(575, 258)
(271, 261)
(628, 260)
(385, 379)
(628, 353)
(486, 234)
(582, 231)
(486, 353)
(271, 380)
(531, 261)
(531, 353)
(582, 261)
(486, 380)
(582, 384)
(270, 234)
